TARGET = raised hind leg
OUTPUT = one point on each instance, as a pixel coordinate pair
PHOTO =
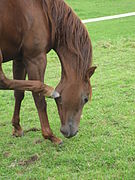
(19, 73)
(36, 69)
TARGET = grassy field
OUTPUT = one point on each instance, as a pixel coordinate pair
(105, 146)
(96, 8)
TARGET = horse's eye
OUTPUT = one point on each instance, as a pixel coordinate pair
(85, 100)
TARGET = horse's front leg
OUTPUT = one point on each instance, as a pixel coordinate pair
(36, 70)
(19, 73)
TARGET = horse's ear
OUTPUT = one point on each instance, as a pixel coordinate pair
(91, 71)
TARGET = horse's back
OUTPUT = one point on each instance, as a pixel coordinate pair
(22, 23)
(11, 27)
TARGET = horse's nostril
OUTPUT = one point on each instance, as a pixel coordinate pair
(65, 133)
(76, 132)
(72, 134)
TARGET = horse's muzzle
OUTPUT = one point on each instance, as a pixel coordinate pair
(68, 131)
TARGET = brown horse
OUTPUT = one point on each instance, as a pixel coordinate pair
(28, 31)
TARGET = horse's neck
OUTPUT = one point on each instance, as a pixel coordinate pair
(68, 63)
(69, 38)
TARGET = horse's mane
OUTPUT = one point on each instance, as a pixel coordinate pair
(69, 31)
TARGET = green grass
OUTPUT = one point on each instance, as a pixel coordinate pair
(105, 146)
(112, 30)
(95, 8)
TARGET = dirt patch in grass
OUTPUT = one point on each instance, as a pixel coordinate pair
(38, 141)
(29, 161)
(7, 154)
(32, 129)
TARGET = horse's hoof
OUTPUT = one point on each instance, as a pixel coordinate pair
(56, 141)
(18, 133)
(52, 138)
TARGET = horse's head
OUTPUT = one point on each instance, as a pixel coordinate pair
(73, 97)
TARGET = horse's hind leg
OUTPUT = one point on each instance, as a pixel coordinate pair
(2, 77)
(19, 73)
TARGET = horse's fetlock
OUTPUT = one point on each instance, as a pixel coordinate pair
(47, 135)
(41, 86)
(15, 122)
